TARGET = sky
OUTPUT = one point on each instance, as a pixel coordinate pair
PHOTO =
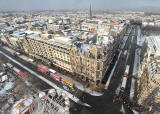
(77, 4)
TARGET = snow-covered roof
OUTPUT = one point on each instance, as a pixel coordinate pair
(150, 45)
(21, 106)
(65, 38)
(18, 34)
(157, 42)
(13, 39)
(49, 41)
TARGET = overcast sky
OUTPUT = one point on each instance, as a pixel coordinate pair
(76, 4)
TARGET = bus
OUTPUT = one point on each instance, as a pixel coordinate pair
(42, 70)
(9, 65)
(126, 71)
(56, 76)
(69, 83)
(125, 77)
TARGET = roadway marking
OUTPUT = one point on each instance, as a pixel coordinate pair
(75, 99)
(122, 109)
(132, 89)
(110, 76)
(118, 89)
(139, 36)
(135, 69)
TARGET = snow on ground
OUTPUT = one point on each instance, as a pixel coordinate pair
(140, 39)
(75, 99)
(7, 86)
(135, 70)
(24, 57)
(77, 84)
(143, 38)
(124, 41)
(82, 88)
(118, 89)
(123, 45)
(110, 76)
(132, 89)
(2, 91)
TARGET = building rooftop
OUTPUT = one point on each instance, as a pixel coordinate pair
(156, 41)
(154, 44)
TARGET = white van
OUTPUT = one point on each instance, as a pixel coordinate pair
(51, 70)
(1, 73)
(30, 60)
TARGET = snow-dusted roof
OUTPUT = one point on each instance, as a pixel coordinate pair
(49, 41)
(150, 45)
(18, 108)
(157, 42)
(65, 38)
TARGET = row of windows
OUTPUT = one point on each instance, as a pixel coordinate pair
(59, 59)
(88, 71)
(44, 49)
(55, 47)
(52, 55)
(63, 65)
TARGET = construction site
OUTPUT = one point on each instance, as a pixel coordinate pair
(12, 89)
(20, 94)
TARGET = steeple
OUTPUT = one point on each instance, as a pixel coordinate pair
(90, 12)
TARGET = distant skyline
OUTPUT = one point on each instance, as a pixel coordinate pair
(79, 4)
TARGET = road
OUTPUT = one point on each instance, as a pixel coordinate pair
(103, 104)
(25, 66)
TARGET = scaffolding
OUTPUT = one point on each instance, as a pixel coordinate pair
(51, 101)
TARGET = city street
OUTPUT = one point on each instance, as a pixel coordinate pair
(25, 66)
(99, 104)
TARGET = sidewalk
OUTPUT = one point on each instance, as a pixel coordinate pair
(77, 84)
(111, 74)
(135, 73)
(140, 39)
(83, 88)
(75, 99)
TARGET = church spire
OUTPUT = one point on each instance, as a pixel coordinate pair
(90, 12)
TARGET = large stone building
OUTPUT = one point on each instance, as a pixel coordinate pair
(149, 76)
(78, 56)
(78, 52)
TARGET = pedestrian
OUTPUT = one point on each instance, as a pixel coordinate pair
(115, 98)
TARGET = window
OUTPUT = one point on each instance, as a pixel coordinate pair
(99, 56)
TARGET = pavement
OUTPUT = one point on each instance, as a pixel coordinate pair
(83, 88)
(140, 41)
(75, 99)
(76, 83)
(120, 54)
(110, 76)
